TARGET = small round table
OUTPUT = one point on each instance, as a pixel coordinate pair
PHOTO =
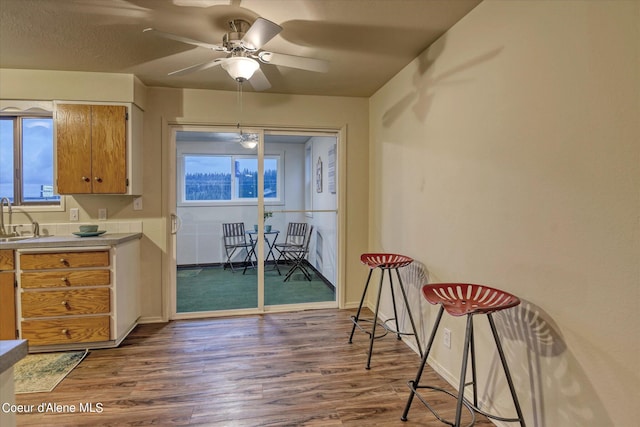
(270, 244)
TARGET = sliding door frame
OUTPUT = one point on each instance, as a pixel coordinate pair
(170, 282)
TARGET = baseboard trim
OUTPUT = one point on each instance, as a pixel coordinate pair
(151, 319)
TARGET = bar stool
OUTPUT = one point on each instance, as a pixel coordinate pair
(385, 262)
(462, 299)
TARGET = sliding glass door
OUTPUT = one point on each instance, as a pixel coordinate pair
(303, 269)
(238, 197)
(216, 207)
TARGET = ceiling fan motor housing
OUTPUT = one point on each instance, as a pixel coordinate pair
(232, 40)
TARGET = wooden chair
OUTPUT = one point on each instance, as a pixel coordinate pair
(235, 239)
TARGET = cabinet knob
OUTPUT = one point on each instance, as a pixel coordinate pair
(98, 179)
(65, 303)
(63, 261)
(64, 332)
(86, 179)
(65, 280)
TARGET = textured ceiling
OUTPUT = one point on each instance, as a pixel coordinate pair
(365, 41)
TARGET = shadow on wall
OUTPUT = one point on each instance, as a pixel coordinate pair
(414, 277)
(425, 82)
(557, 396)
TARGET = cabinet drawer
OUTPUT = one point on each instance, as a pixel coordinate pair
(66, 331)
(64, 260)
(56, 279)
(6, 259)
(63, 303)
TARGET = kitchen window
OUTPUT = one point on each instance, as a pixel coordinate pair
(26, 160)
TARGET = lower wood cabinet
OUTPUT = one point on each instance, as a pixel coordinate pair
(7, 296)
(78, 298)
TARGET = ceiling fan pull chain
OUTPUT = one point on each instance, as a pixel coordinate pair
(239, 96)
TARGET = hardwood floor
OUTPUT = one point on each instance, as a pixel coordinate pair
(282, 369)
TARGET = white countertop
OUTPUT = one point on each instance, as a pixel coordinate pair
(11, 352)
(107, 239)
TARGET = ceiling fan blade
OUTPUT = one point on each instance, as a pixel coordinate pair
(260, 33)
(197, 67)
(300, 62)
(182, 39)
(259, 81)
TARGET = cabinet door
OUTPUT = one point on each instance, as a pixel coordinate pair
(108, 149)
(7, 296)
(7, 307)
(73, 148)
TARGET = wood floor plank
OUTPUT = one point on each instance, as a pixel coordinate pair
(280, 369)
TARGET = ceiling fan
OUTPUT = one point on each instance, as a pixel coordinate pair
(243, 45)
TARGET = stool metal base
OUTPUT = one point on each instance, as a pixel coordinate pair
(414, 390)
(469, 348)
(357, 320)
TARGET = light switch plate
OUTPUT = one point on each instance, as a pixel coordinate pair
(102, 214)
(74, 214)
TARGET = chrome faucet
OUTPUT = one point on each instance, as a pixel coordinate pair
(35, 228)
(3, 231)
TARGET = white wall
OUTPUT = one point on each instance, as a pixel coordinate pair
(508, 154)
(323, 250)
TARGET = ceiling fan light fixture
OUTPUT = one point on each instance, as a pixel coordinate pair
(240, 68)
(249, 144)
(249, 140)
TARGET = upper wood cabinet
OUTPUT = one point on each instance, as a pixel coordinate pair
(97, 148)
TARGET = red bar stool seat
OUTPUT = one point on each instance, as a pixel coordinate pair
(463, 299)
(384, 262)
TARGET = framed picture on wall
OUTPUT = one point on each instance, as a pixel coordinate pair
(319, 176)
(308, 182)
(331, 170)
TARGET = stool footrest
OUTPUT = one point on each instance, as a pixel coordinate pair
(357, 323)
(473, 409)
(393, 331)
(414, 390)
(383, 325)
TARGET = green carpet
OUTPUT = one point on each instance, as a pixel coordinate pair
(189, 272)
(213, 288)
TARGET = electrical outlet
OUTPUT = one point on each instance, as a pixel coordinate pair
(446, 338)
(137, 204)
(102, 214)
(74, 214)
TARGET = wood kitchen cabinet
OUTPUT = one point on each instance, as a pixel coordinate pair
(56, 309)
(7, 296)
(72, 298)
(98, 148)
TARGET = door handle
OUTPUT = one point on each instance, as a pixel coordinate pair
(175, 223)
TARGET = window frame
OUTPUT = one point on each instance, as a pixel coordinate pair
(17, 118)
(234, 201)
